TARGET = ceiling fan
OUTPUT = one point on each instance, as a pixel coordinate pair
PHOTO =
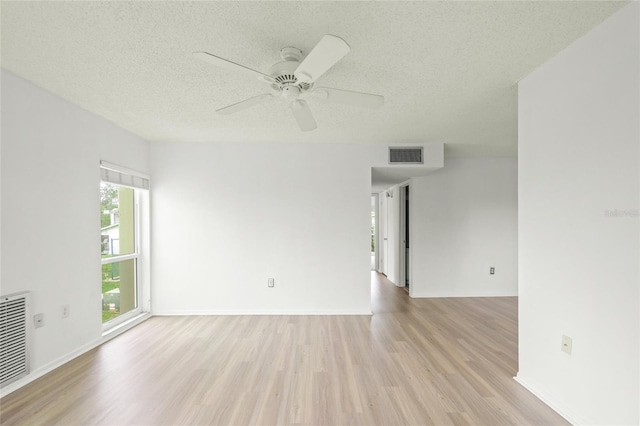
(294, 79)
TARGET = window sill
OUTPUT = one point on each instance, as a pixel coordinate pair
(127, 325)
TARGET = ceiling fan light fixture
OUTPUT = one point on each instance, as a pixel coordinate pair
(290, 92)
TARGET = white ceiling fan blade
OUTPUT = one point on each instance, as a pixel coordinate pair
(230, 65)
(329, 50)
(348, 97)
(247, 103)
(303, 115)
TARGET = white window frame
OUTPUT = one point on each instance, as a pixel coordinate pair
(116, 175)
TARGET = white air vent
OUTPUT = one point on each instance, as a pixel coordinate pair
(14, 333)
(412, 155)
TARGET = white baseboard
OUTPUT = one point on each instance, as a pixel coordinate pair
(466, 294)
(274, 313)
(548, 398)
(39, 372)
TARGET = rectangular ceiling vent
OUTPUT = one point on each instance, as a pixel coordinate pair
(412, 155)
(14, 333)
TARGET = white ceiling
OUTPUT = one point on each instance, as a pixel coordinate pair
(447, 69)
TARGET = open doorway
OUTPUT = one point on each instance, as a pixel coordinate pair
(374, 232)
(405, 246)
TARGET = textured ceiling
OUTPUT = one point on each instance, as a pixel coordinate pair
(447, 69)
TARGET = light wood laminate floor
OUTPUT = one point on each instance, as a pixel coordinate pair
(415, 361)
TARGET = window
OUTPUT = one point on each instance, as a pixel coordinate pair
(122, 194)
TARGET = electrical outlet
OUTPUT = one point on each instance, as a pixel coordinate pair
(64, 312)
(271, 282)
(567, 343)
(492, 271)
(38, 320)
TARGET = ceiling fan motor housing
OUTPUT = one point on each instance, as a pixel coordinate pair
(283, 74)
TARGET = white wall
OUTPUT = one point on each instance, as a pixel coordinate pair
(578, 262)
(229, 216)
(464, 221)
(50, 178)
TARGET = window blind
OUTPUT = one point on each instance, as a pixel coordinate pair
(118, 175)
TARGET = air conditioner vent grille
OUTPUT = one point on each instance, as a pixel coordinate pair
(14, 360)
(411, 155)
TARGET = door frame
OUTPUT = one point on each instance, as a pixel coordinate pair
(404, 253)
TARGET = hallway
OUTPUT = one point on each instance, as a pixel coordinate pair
(463, 350)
